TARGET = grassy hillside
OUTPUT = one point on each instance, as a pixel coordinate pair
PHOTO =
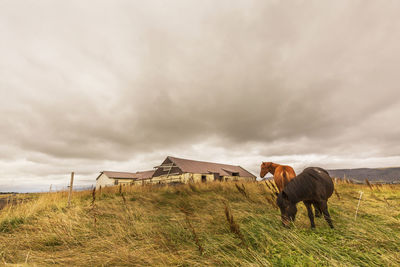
(197, 225)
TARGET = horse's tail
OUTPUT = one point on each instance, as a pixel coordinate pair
(285, 176)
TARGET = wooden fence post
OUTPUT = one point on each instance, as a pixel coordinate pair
(358, 205)
(70, 188)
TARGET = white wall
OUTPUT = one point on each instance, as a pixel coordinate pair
(190, 177)
(104, 181)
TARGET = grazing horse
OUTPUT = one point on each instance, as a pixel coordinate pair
(282, 173)
(282, 176)
(312, 186)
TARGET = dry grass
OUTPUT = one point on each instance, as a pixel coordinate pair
(197, 225)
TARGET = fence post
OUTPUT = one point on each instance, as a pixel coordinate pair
(70, 188)
(359, 200)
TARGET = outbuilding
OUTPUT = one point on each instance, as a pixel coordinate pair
(110, 178)
(178, 170)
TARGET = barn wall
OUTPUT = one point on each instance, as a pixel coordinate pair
(170, 179)
(124, 181)
(238, 178)
(182, 178)
(139, 182)
(197, 177)
(189, 177)
(179, 178)
(104, 181)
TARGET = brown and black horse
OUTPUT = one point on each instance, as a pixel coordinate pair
(282, 176)
(314, 187)
(282, 173)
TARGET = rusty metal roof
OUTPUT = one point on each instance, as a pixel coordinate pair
(144, 174)
(128, 175)
(194, 166)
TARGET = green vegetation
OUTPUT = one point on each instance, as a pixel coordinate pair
(197, 225)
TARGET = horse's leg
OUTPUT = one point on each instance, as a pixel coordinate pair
(317, 210)
(324, 207)
(310, 213)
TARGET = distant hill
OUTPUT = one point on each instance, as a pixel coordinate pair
(387, 175)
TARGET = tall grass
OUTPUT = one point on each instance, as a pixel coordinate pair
(199, 224)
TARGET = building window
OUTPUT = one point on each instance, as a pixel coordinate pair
(235, 174)
(115, 182)
(204, 178)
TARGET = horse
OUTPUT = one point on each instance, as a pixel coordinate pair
(282, 176)
(282, 173)
(312, 186)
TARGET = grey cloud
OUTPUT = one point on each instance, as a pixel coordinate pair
(129, 82)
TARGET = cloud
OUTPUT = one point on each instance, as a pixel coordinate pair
(90, 86)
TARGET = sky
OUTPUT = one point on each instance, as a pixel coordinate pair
(87, 86)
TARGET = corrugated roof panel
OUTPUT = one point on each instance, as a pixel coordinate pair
(194, 166)
(129, 175)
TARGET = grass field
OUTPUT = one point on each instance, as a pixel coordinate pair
(197, 225)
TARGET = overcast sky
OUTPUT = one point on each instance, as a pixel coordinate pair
(87, 86)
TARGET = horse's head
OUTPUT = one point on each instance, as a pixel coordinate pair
(288, 209)
(265, 168)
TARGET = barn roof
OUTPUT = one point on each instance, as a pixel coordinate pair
(128, 175)
(145, 174)
(194, 166)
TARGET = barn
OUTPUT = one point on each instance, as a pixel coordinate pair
(178, 170)
(109, 178)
